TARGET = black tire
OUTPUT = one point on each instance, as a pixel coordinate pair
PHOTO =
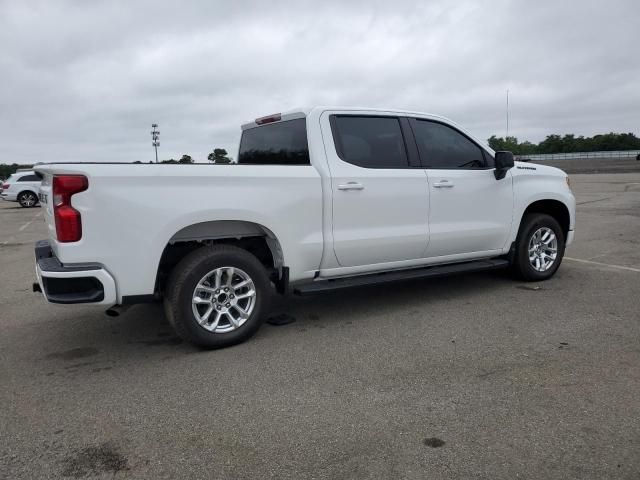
(182, 283)
(522, 267)
(27, 199)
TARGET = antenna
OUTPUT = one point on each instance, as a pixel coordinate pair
(507, 114)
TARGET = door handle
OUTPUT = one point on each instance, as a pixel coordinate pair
(351, 186)
(443, 184)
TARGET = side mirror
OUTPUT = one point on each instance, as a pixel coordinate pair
(504, 161)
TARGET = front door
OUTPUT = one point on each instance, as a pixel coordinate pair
(470, 210)
(380, 203)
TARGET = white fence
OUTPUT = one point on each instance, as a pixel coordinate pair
(578, 155)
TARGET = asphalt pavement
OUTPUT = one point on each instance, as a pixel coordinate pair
(474, 376)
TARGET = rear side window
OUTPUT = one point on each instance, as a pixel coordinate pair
(29, 178)
(369, 142)
(441, 146)
(282, 143)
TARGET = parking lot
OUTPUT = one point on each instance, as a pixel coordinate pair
(475, 376)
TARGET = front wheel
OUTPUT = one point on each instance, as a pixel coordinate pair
(27, 199)
(217, 296)
(539, 248)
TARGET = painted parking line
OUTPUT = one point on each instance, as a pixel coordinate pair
(29, 222)
(600, 264)
(22, 228)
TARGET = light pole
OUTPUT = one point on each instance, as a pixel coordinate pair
(155, 135)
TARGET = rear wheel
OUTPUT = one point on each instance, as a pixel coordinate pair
(27, 199)
(217, 296)
(539, 248)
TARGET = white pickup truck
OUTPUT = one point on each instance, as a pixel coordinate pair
(321, 198)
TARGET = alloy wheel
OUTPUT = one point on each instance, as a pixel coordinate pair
(543, 249)
(223, 299)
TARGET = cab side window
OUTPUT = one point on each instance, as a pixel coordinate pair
(443, 147)
(369, 141)
(489, 160)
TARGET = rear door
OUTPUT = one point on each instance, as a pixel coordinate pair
(380, 198)
(470, 210)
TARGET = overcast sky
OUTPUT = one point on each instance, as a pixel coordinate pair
(83, 81)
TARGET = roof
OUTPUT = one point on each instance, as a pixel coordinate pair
(302, 112)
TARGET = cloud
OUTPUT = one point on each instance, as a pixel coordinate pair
(83, 81)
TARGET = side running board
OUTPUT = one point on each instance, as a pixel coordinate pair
(320, 286)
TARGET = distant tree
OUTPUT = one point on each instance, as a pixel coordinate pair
(497, 143)
(7, 170)
(137, 161)
(551, 144)
(185, 159)
(568, 143)
(219, 156)
(526, 148)
(171, 160)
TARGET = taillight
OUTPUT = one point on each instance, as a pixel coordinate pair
(5, 186)
(68, 220)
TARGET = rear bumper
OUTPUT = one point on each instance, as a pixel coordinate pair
(77, 283)
(8, 196)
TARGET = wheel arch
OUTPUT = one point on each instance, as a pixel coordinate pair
(253, 237)
(25, 190)
(554, 208)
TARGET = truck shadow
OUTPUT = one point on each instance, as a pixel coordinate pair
(144, 332)
(398, 296)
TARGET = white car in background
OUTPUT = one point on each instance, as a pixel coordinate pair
(22, 187)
